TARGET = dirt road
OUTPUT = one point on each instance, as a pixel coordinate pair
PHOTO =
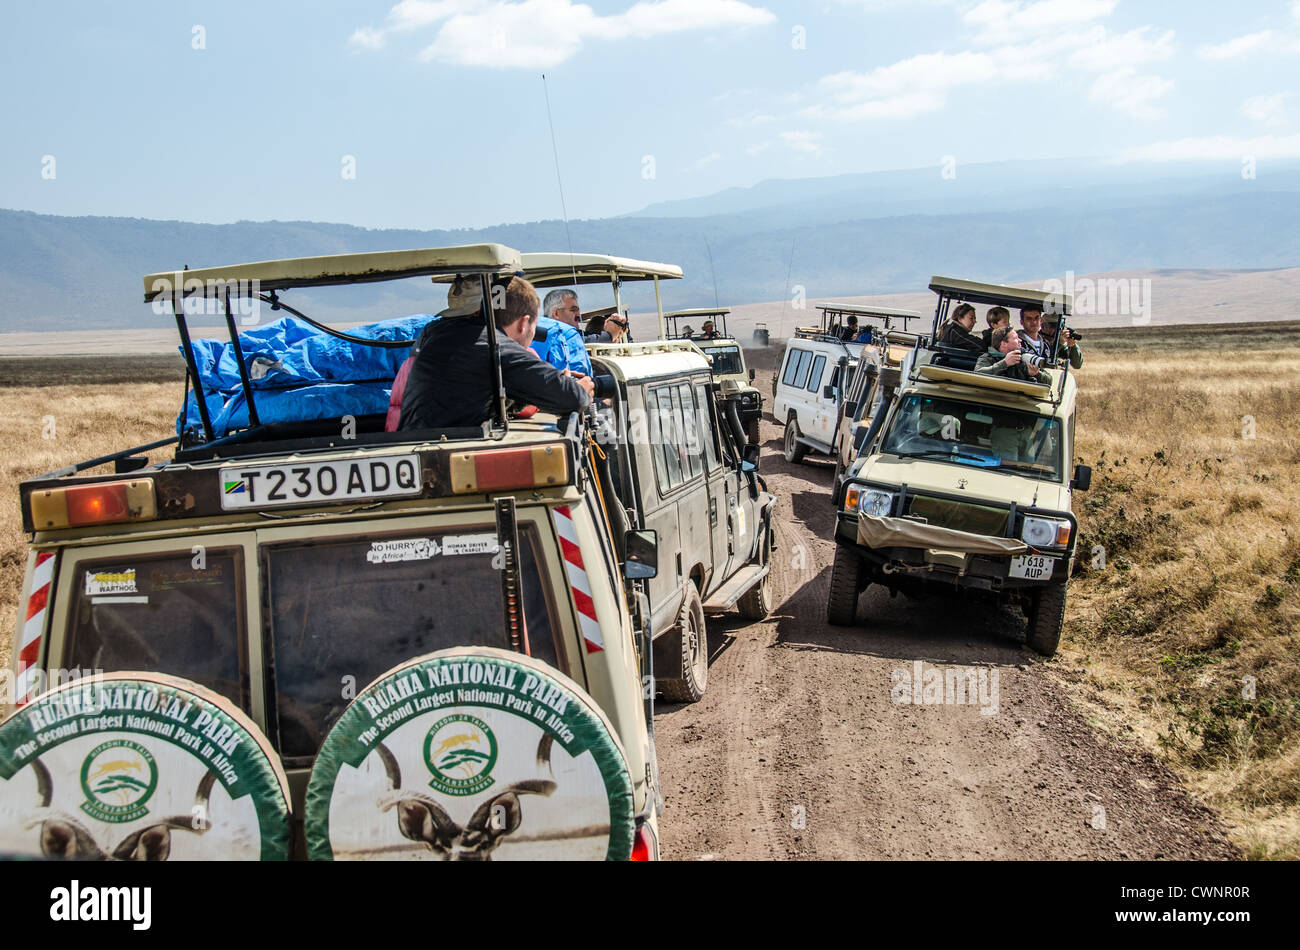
(798, 749)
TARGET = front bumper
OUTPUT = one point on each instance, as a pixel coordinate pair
(897, 551)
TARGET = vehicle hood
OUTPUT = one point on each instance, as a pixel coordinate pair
(981, 484)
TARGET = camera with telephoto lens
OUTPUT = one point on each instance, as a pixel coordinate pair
(605, 386)
(1034, 360)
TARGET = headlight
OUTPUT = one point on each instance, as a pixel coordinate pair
(869, 501)
(1045, 532)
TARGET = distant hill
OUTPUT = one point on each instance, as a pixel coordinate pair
(851, 235)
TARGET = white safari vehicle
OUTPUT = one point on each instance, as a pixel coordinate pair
(320, 639)
(965, 483)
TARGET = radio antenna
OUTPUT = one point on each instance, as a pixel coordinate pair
(558, 180)
(788, 271)
(713, 272)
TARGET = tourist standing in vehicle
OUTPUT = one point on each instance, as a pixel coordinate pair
(1031, 327)
(562, 305)
(1007, 358)
(604, 329)
(996, 317)
(1061, 345)
(848, 332)
(956, 332)
(450, 383)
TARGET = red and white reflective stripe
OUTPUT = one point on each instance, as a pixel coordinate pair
(29, 639)
(578, 582)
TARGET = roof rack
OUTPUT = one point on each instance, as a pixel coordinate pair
(887, 315)
(674, 317)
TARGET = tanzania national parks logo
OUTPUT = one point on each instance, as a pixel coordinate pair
(118, 778)
(460, 752)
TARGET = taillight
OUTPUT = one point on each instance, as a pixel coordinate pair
(539, 466)
(100, 503)
(643, 844)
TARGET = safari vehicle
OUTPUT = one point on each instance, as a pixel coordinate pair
(816, 367)
(966, 483)
(880, 369)
(241, 593)
(727, 360)
(682, 460)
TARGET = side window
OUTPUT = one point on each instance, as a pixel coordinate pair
(692, 443)
(706, 425)
(801, 369)
(792, 359)
(670, 473)
(864, 398)
(815, 377)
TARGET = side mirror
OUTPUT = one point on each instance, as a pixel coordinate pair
(1082, 477)
(828, 392)
(642, 549)
(751, 453)
(752, 375)
(850, 408)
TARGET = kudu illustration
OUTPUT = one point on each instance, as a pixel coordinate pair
(63, 836)
(421, 818)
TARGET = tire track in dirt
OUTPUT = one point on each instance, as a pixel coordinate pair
(799, 715)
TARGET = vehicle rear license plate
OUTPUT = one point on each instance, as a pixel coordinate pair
(264, 486)
(1032, 567)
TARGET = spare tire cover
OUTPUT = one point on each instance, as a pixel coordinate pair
(471, 753)
(143, 767)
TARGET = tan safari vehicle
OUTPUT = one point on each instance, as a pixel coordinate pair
(682, 466)
(726, 358)
(964, 482)
(313, 638)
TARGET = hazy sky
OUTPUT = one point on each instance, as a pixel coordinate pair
(221, 111)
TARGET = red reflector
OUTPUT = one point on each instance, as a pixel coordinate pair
(503, 469)
(643, 844)
(97, 504)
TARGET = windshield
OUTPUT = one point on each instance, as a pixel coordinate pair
(359, 606)
(963, 433)
(726, 360)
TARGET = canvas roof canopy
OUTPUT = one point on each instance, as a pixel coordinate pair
(997, 295)
(560, 268)
(335, 269)
(699, 312)
(866, 310)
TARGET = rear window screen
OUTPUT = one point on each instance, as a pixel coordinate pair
(358, 607)
(163, 615)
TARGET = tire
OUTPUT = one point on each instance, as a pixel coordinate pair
(756, 603)
(794, 450)
(751, 430)
(692, 639)
(845, 586)
(1046, 618)
(839, 474)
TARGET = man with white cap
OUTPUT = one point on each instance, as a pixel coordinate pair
(450, 383)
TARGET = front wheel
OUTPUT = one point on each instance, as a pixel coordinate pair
(1046, 618)
(691, 638)
(845, 586)
(794, 449)
(756, 603)
(751, 430)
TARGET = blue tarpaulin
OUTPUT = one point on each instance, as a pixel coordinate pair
(298, 373)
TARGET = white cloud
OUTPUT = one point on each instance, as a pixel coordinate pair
(757, 147)
(1131, 93)
(802, 141)
(752, 119)
(1267, 109)
(1103, 51)
(1242, 45)
(1011, 21)
(901, 90)
(704, 160)
(1216, 148)
(542, 33)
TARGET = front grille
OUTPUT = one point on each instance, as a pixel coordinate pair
(960, 515)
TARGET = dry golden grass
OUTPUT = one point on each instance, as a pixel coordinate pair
(89, 419)
(1201, 584)
(1202, 579)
